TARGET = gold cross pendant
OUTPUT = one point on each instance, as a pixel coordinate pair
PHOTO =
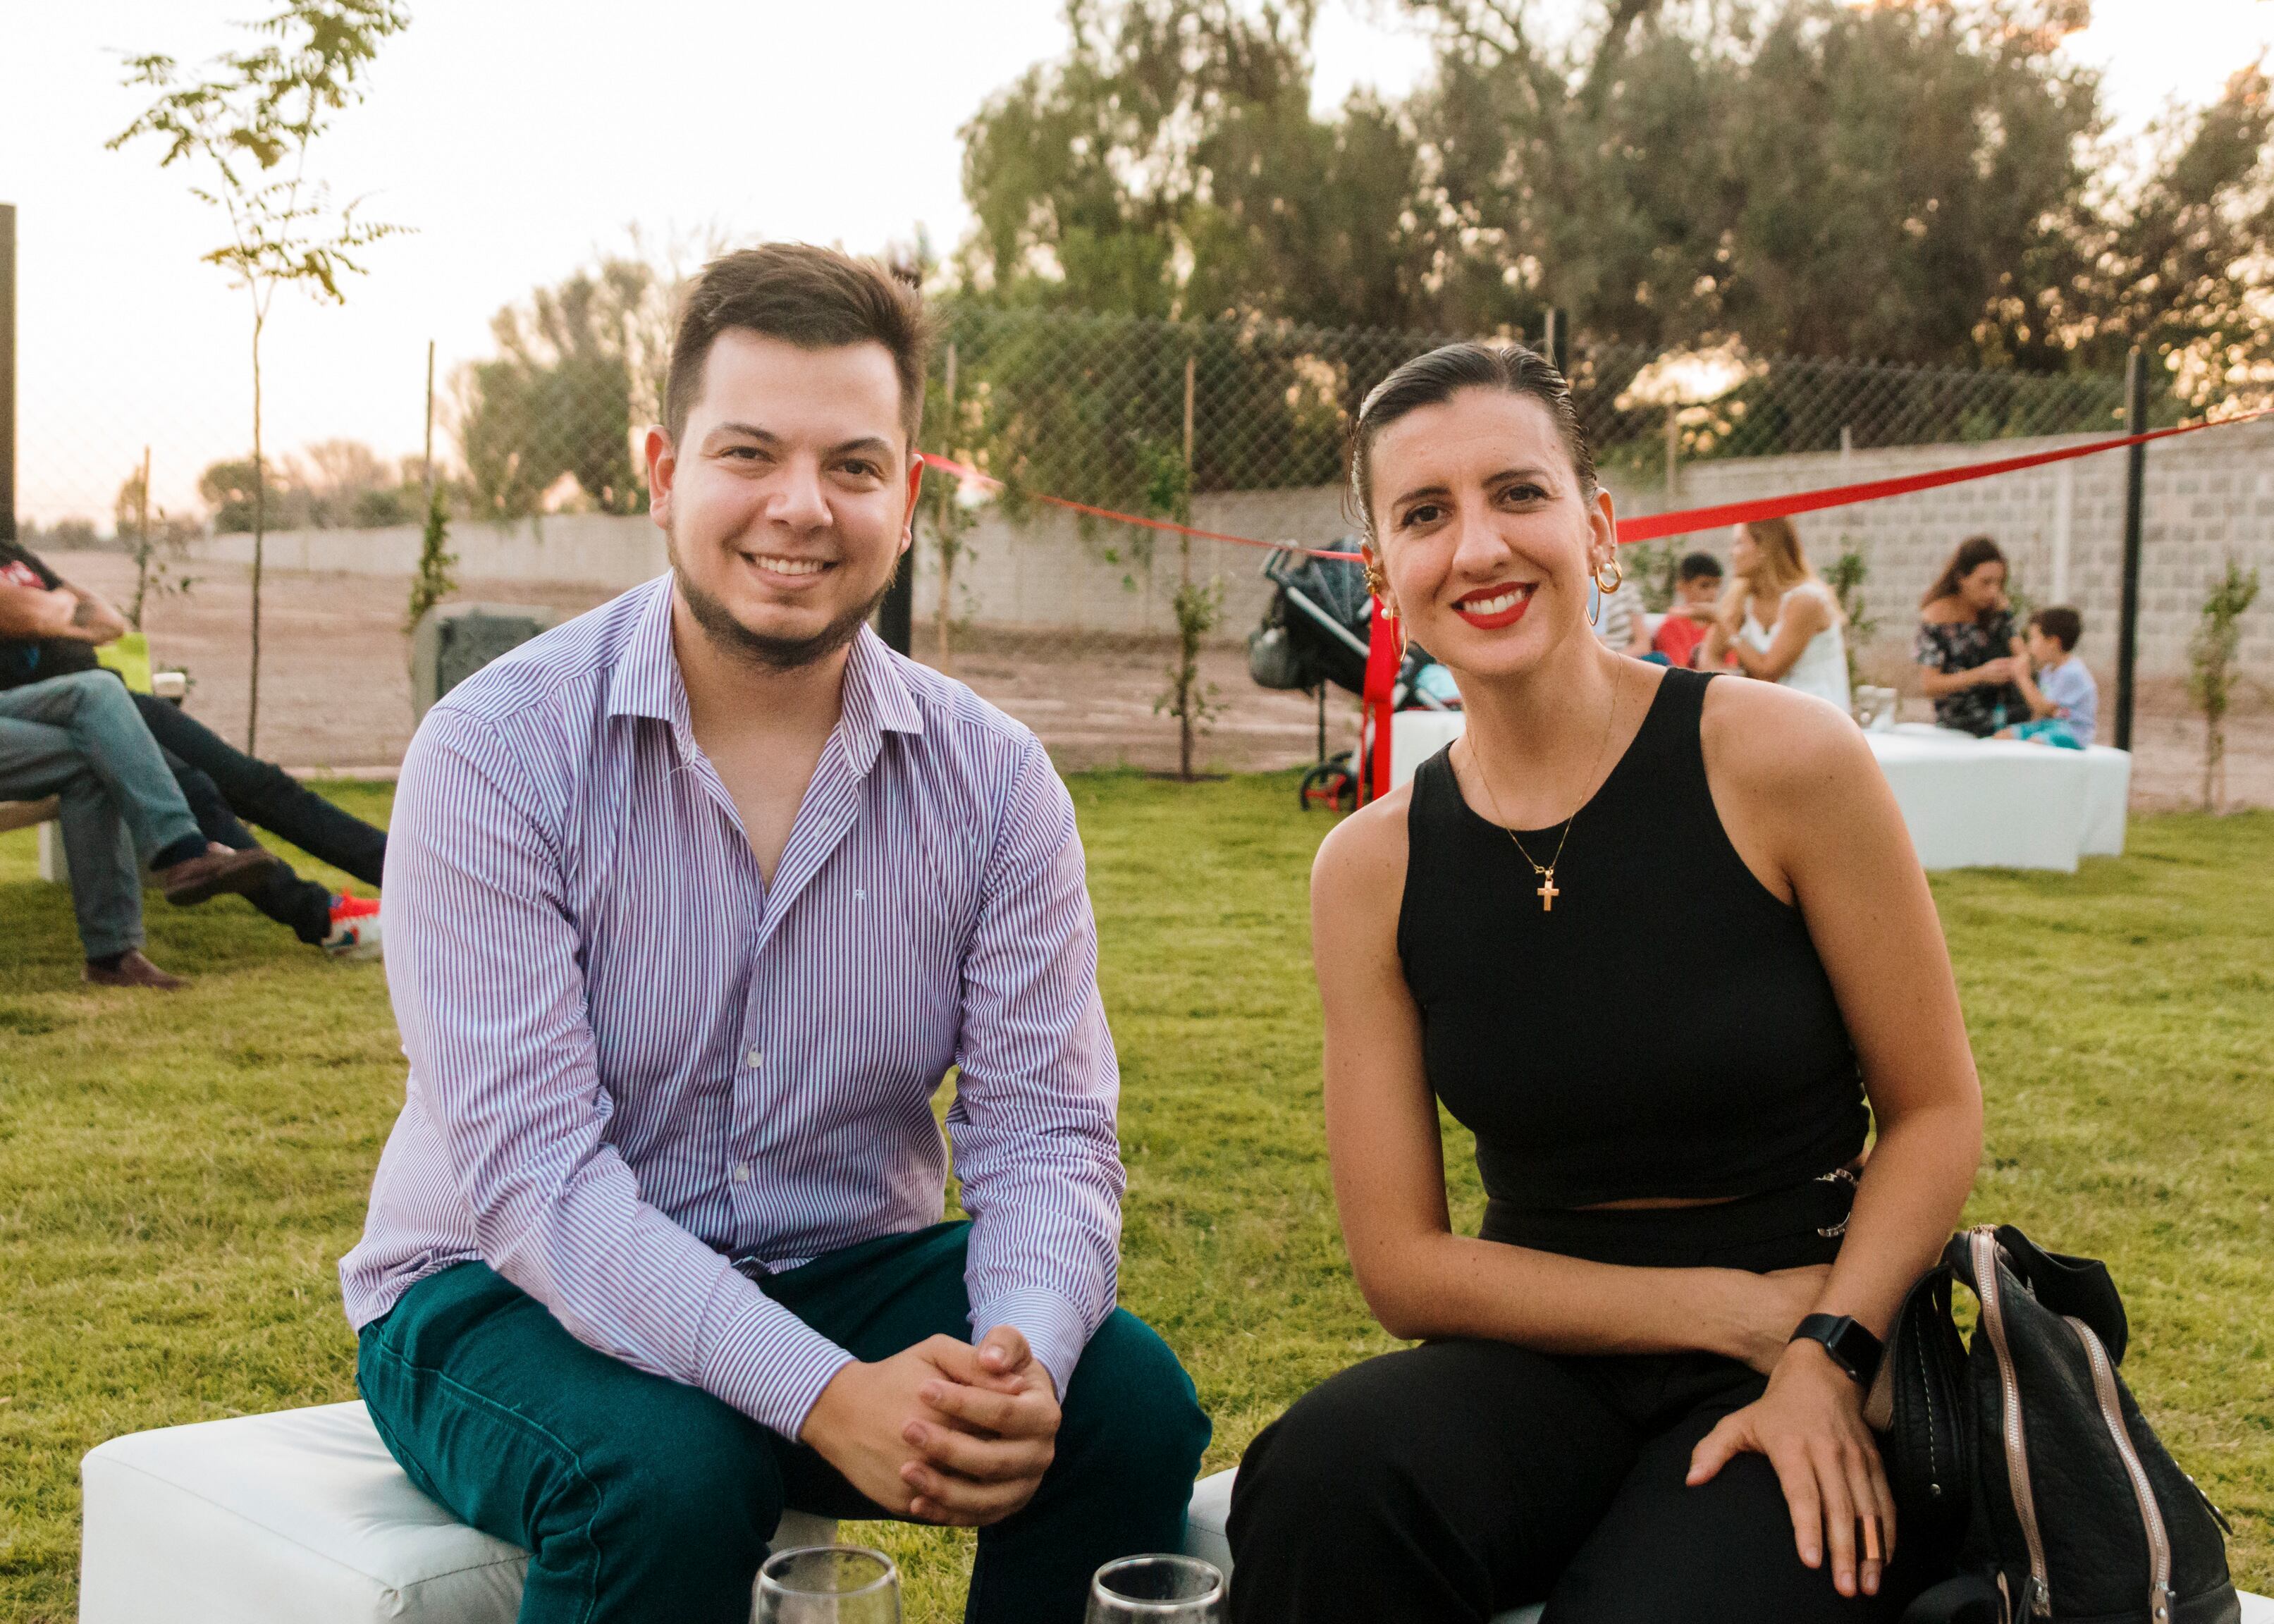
(1547, 892)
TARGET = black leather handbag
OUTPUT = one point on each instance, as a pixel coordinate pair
(2026, 1457)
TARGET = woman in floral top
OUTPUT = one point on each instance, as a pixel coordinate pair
(1967, 644)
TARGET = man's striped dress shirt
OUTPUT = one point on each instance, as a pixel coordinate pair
(632, 1062)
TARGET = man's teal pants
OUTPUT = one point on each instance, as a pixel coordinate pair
(640, 1499)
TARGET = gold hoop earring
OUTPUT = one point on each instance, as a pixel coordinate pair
(1377, 582)
(1618, 576)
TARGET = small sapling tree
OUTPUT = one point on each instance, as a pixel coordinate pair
(1198, 603)
(2211, 653)
(159, 546)
(246, 122)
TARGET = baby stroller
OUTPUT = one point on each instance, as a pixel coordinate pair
(1314, 633)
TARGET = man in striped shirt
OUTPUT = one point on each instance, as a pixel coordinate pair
(691, 904)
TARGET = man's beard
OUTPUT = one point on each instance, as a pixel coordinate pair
(733, 637)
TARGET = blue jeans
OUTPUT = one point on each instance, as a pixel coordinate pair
(79, 737)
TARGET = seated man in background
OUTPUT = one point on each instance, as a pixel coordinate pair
(2064, 700)
(49, 628)
(77, 737)
(692, 903)
(1696, 598)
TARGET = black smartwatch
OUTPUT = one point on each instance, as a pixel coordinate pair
(1852, 1348)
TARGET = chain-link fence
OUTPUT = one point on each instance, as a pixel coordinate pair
(1073, 624)
(1078, 405)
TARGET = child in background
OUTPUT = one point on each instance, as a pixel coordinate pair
(2063, 700)
(1697, 590)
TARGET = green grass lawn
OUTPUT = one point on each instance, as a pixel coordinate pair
(178, 1175)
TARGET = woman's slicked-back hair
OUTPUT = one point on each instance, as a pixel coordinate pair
(1972, 554)
(1432, 379)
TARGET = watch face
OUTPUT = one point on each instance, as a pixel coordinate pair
(1857, 1348)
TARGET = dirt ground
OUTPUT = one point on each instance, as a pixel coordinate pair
(336, 687)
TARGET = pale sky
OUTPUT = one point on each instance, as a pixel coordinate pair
(523, 138)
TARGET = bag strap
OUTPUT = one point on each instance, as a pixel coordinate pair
(2063, 1285)
(1969, 1599)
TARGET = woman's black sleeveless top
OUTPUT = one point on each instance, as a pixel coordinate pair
(1666, 1029)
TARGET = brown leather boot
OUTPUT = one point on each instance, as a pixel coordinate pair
(220, 869)
(134, 971)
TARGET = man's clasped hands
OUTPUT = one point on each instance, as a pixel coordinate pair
(943, 1431)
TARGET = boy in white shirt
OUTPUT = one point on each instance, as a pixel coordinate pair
(2063, 700)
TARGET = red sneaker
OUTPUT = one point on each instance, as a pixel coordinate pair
(354, 927)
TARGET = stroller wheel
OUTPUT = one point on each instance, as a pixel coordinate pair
(1330, 785)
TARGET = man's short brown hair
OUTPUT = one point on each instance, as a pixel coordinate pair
(815, 299)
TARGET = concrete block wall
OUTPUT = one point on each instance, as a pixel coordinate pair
(579, 549)
(2208, 496)
(1051, 573)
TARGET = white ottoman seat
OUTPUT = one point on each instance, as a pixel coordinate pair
(298, 1517)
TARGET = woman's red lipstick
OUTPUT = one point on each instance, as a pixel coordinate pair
(1501, 612)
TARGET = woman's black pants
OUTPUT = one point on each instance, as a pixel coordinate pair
(224, 785)
(1455, 1479)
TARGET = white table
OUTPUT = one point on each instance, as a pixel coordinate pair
(1999, 803)
(1968, 802)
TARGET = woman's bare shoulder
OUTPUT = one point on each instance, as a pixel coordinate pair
(1365, 848)
(1768, 740)
(1946, 612)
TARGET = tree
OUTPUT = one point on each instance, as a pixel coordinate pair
(1198, 603)
(1170, 166)
(232, 489)
(2211, 653)
(577, 368)
(2178, 263)
(159, 547)
(1824, 179)
(1929, 183)
(249, 123)
(436, 576)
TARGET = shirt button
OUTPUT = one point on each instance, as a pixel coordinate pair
(754, 1059)
(742, 1172)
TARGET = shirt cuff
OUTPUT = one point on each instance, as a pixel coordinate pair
(763, 1359)
(1055, 1328)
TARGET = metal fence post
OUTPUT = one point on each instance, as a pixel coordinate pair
(896, 616)
(2136, 480)
(1557, 338)
(7, 372)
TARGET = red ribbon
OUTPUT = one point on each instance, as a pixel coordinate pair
(964, 470)
(1383, 655)
(1657, 524)
(1651, 526)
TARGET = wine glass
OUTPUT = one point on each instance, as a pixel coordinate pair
(829, 1584)
(1156, 1589)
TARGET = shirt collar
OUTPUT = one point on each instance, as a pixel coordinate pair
(877, 698)
(646, 678)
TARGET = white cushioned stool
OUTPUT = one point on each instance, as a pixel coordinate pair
(298, 1517)
(303, 1517)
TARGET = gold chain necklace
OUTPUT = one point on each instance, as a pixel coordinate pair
(1548, 892)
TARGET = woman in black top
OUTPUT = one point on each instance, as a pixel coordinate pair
(1658, 939)
(1967, 644)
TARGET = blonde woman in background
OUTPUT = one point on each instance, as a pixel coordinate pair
(1778, 621)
